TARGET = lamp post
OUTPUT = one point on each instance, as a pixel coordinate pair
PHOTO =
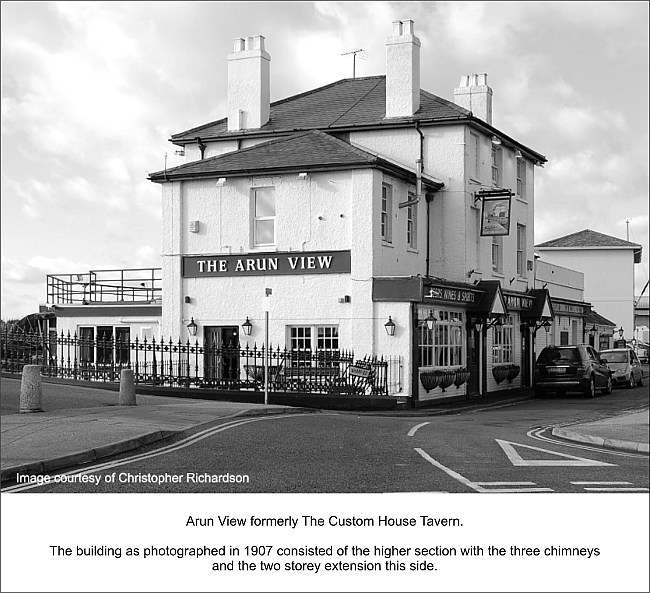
(266, 304)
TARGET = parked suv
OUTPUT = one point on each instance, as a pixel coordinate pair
(625, 366)
(571, 368)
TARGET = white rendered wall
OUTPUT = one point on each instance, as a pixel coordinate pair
(609, 280)
(560, 282)
(327, 211)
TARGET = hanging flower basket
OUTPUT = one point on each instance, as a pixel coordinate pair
(430, 380)
(513, 372)
(500, 373)
(462, 376)
(448, 378)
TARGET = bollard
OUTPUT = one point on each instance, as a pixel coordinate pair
(31, 389)
(127, 388)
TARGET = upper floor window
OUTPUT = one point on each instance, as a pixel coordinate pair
(497, 253)
(412, 223)
(474, 155)
(521, 178)
(496, 166)
(264, 216)
(521, 250)
(386, 212)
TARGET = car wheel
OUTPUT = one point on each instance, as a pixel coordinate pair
(640, 381)
(590, 390)
(608, 388)
(630, 381)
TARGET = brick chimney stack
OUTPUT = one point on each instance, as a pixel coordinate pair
(249, 84)
(475, 94)
(402, 71)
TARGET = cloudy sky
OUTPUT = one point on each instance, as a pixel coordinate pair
(91, 93)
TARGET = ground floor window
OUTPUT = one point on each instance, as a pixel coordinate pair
(442, 346)
(502, 341)
(105, 344)
(304, 340)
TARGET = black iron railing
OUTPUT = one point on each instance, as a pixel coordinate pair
(186, 364)
(105, 286)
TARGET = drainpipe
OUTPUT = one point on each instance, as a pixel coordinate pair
(419, 163)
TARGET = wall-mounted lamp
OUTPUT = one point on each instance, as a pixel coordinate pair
(621, 331)
(431, 321)
(518, 155)
(496, 141)
(188, 300)
(247, 327)
(593, 330)
(478, 324)
(345, 298)
(221, 181)
(390, 326)
(303, 176)
(192, 327)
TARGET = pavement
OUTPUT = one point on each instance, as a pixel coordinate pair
(68, 436)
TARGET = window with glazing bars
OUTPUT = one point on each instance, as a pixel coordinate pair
(443, 346)
(264, 216)
(521, 250)
(386, 212)
(502, 341)
(521, 178)
(411, 223)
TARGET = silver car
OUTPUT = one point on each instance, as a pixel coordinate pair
(625, 366)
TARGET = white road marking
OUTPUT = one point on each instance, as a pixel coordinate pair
(617, 489)
(477, 485)
(186, 442)
(505, 483)
(536, 433)
(568, 460)
(415, 428)
(601, 483)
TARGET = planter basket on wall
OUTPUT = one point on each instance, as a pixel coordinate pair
(513, 372)
(500, 373)
(430, 380)
(462, 376)
(503, 372)
(448, 378)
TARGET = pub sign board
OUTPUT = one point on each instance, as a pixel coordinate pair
(267, 264)
(495, 216)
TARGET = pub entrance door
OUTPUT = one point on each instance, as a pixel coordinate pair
(221, 354)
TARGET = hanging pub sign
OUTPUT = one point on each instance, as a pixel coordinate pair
(267, 264)
(495, 215)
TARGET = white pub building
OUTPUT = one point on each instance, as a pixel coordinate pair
(367, 215)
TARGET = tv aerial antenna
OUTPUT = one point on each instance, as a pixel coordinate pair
(362, 53)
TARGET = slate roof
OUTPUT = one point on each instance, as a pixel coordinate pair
(594, 318)
(343, 105)
(303, 151)
(588, 238)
